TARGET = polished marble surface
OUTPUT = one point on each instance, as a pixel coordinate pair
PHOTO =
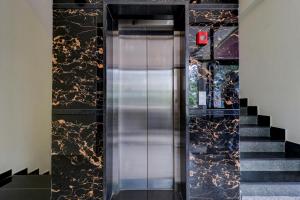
(77, 58)
(219, 82)
(78, 135)
(75, 177)
(226, 42)
(222, 16)
(77, 100)
(214, 157)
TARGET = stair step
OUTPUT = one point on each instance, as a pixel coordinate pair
(261, 144)
(270, 176)
(277, 133)
(252, 110)
(292, 149)
(270, 198)
(5, 175)
(254, 131)
(26, 187)
(35, 172)
(268, 155)
(263, 120)
(270, 190)
(27, 181)
(243, 102)
(46, 173)
(249, 111)
(270, 164)
(248, 119)
(243, 111)
(26, 194)
(22, 172)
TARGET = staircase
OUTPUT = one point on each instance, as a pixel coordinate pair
(25, 186)
(270, 168)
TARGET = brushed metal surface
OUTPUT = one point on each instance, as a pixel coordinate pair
(132, 106)
(160, 112)
(145, 91)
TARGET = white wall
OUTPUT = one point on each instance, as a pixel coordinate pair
(270, 70)
(25, 85)
(270, 61)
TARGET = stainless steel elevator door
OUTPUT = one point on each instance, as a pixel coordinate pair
(133, 112)
(145, 112)
(160, 112)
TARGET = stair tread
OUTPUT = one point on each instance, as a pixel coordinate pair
(270, 176)
(272, 190)
(25, 194)
(27, 181)
(271, 183)
(259, 139)
(248, 120)
(267, 155)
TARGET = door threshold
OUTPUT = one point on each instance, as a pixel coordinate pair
(147, 195)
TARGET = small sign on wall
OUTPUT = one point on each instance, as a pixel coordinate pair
(202, 98)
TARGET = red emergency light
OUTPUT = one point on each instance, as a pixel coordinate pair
(202, 38)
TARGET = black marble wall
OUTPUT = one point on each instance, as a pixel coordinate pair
(78, 99)
(214, 164)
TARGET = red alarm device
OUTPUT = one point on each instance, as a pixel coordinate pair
(202, 38)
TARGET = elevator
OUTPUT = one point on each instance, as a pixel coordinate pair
(145, 115)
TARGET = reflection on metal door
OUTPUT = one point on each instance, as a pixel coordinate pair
(160, 112)
(133, 112)
(145, 111)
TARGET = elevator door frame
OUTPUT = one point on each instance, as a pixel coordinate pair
(107, 164)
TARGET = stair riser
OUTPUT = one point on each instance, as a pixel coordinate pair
(255, 132)
(262, 146)
(248, 120)
(270, 189)
(270, 165)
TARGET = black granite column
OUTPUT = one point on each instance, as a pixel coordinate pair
(214, 166)
(77, 122)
